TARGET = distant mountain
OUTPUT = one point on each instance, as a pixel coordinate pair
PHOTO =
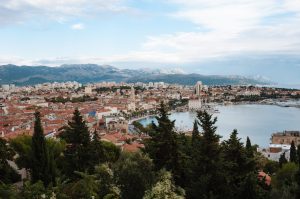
(88, 73)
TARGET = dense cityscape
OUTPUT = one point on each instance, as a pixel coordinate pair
(111, 112)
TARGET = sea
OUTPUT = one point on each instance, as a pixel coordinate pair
(258, 122)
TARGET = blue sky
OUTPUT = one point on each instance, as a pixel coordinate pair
(238, 37)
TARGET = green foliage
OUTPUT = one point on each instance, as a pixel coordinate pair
(42, 167)
(293, 153)
(237, 163)
(285, 175)
(163, 147)
(77, 153)
(23, 147)
(84, 98)
(33, 191)
(282, 160)
(7, 191)
(139, 126)
(249, 148)
(285, 181)
(111, 151)
(135, 174)
(195, 134)
(7, 173)
(85, 187)
(251, 188)
(298, 153)
(80, 165)
(165, 189)
(107, 187)
(206, 168)
(271, 167)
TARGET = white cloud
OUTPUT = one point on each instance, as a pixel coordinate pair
(222, 27)
(228, 27)
(78, 26)
(18, 11)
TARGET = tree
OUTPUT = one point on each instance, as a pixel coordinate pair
(97, 151)
(293, 153)
(8, 191)
(284, 181)
(207, 177)
(163, 146)
(111, 151)
(107, 188)
(271, 167)
(249, 148)
(23, 147)
(7, 173)
(282, 160)
(77, 153)
(236, 164)
(298, 154)
(134, 172)
(195, 133)
(76, 132)
(248, 188)
(164, 189)
(35, 190)
(40, 168)
(251, 188)
(85, 187)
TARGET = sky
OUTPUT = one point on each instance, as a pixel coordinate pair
(222, 37)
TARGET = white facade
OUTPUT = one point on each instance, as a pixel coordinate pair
(198, 88)
(195, 104)
(5, 87)
(88, 90)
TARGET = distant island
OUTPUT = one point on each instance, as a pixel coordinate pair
(90, 73)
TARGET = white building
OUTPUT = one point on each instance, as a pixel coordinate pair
(198, 88)
(5, 87)
(88, 90)
(195, 104)
(132, 94)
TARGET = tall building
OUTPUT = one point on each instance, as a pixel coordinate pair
(198, 88)
(132, 94)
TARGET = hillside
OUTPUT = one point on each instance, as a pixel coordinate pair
(88, 73)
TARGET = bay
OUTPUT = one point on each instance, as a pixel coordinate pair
(256, 121)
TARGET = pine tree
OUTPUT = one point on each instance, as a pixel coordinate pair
(249, 149)
(235, 155)
(163, 145)
(40, 158)
(195, 133)
(76, 132)
(207, 178)
(77, 153)
(293, 153)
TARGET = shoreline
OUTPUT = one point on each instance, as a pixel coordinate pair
(140, 118)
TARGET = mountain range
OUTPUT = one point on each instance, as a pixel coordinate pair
(89, 73)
